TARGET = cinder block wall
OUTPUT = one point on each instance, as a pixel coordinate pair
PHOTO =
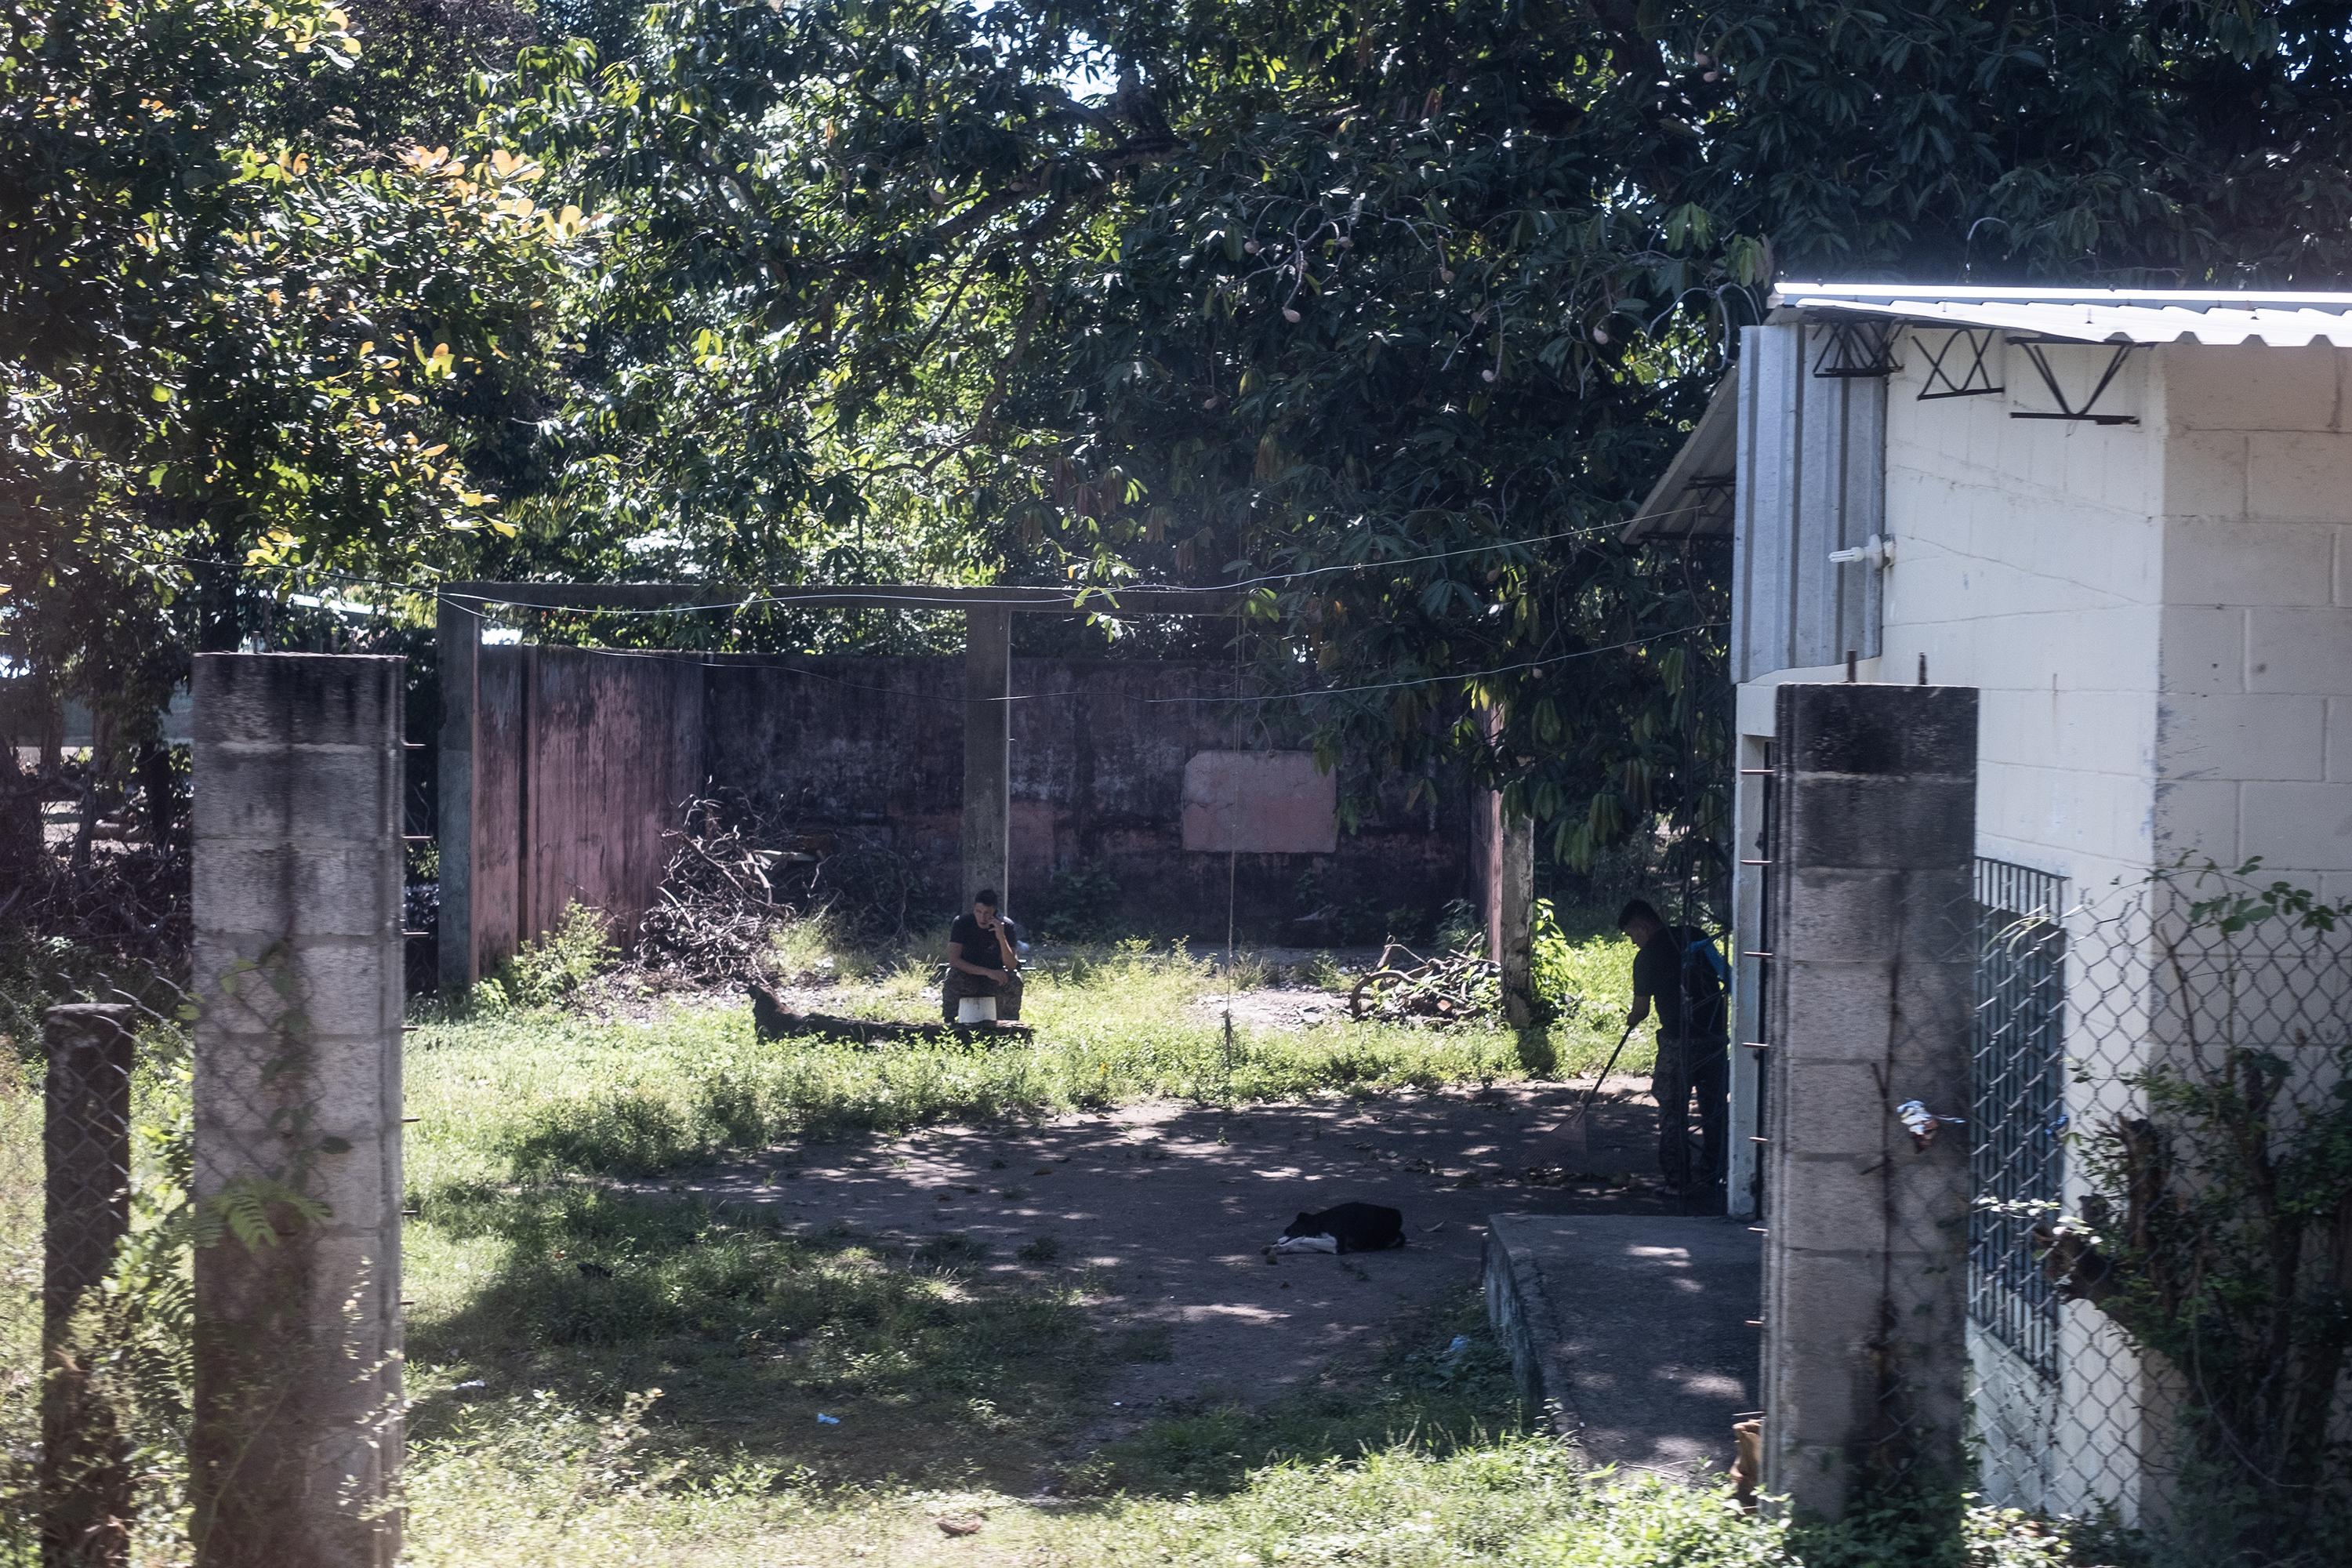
(298, 1108)
(1874, 940)
(2253, 745)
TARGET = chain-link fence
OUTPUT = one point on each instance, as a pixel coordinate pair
(95, 1345)
(2161, 1256)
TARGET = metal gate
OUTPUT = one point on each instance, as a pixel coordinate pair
(2018, 1122)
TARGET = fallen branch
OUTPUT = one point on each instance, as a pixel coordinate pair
(774, 1021)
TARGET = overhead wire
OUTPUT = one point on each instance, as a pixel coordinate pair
(743, 660)
(852, 591)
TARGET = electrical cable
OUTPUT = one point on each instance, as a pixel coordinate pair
(738, 662)
(850, 591)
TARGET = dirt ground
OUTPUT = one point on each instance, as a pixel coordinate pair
(1166, 1208)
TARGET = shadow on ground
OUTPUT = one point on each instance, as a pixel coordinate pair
(1061, 1306)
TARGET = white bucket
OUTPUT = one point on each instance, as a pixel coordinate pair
(975, 1009)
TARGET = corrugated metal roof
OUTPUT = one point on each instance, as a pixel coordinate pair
(1692, 498)
(2093, 315)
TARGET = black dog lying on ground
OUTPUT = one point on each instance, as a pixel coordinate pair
(1350, 1227)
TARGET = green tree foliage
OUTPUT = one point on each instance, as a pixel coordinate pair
(1399, 303)
(242, 336)
(1387, 309)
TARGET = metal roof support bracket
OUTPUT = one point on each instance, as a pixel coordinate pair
(1975, 377)
(1852, 347)
(2065, 410)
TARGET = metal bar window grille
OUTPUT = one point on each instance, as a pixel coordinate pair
(2018, 1121)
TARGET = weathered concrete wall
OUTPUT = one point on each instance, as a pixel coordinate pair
(1099, 754)
(1873, 964)
(298, 1103)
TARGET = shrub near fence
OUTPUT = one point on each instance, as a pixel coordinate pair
(2161, 1284)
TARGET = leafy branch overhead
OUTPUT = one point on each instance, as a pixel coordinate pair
(1392, 310)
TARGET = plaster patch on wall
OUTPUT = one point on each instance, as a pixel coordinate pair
(1260, 802)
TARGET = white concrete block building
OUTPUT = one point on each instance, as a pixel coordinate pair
(2125, 518)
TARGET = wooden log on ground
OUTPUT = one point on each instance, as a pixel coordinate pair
(774, 1021)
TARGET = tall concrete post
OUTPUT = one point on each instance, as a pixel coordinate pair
(86, 1502)
(1866, 1254)
(457, 629)
(987, 750)
(297, 969)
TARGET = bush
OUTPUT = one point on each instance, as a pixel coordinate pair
(1079, 901)
(551, 971)
(1578, 981)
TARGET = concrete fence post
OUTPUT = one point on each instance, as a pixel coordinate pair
(298, 1181)
(86, 1143)
(1868, 1022)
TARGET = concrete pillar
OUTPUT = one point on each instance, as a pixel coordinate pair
(296, 1150)
(1866, 1257)
(987, 750)
(86, 1141)
(459, 638)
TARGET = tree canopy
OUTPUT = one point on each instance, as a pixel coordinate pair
(1387, 311)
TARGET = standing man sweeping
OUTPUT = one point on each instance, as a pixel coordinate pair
(983, 960)
(1676, 970)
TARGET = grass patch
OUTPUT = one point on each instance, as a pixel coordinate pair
(1442, 1385)
(534, 1094)
(733, 1338)
(943, 1413)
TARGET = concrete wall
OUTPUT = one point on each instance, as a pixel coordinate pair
(1099, 748)
(2253, 734)
(1874, 955)
(297, 1432)
(582, 758)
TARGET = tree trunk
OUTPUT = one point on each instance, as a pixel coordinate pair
(161, 794)
(20, 830)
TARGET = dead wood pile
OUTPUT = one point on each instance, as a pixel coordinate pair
(733, 879)
(1450, 987)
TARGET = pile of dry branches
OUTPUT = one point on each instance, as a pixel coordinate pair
(732, 880)
(1404, 984)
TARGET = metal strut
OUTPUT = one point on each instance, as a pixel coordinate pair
(1974, 379)
(2065, 410)
(1854, 349)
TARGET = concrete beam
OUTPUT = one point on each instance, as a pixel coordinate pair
(987, 750)
(1872, 964)
(1515, 909)
(296, 1431)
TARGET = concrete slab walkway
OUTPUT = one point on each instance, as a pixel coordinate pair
(1634, 1328)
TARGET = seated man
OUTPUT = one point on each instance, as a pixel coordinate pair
(983, 960)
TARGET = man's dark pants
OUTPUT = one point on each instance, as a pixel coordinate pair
(960, 985)
(1702, 1067)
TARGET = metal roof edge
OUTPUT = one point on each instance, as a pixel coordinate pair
(1665, 497)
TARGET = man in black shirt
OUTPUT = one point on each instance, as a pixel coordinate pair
(983, 960)
(1674, 969)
